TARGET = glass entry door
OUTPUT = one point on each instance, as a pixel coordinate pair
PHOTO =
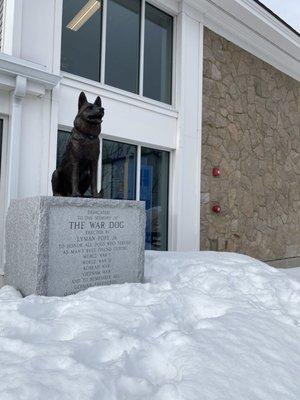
(119, 170)
(120, 163)
(154, 191)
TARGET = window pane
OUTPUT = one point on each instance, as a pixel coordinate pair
(154, 191)
(62, 141)
(81, 49)
(123, 44)
(118, 170)
(158, 55)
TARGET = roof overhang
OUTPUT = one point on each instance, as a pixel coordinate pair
(38, 78)
(252, 27)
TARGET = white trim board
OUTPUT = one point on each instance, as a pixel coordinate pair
(97, 88)
(13, 66)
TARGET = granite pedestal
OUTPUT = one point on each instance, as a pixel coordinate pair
(57, 246)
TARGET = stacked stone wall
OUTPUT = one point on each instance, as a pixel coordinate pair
(251, 131)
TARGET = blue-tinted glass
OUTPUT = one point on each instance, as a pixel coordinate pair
(123, 44)
(118, 170)
(158, 55)
(62, 141)
(81, 49)
(154, 191)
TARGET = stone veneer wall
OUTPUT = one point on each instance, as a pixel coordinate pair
(251, 120)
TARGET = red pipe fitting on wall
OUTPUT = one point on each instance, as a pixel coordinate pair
(216, 171)
(216, 209)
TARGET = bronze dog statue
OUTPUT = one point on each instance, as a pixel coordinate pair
(77, 171)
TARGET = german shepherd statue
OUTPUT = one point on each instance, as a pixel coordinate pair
(77, 171)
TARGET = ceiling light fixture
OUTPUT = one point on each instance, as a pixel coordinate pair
(84, 14)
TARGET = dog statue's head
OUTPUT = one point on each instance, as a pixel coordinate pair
(89, 117)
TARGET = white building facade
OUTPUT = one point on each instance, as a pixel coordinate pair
(152, 129)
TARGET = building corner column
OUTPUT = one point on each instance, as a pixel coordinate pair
(186, 186)
(14, 134)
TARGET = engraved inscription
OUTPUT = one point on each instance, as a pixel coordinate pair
(94, 247)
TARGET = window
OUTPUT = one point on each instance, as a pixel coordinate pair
(158, 55)
(154, 191)
(118, 170)
(130, 26)
(123, 44)
(81, 45)
(62, 141)
(120, 163)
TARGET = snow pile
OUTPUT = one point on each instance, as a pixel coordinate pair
(206, 326)
(293, 273)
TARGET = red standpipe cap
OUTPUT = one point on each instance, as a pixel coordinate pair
(216, 171)
(216, 209)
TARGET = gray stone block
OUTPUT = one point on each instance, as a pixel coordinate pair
(57, 246)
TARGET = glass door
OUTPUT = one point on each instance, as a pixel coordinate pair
(154, 191)
(119, 162)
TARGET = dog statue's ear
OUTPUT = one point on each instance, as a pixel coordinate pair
(82, 100)
(98, 102)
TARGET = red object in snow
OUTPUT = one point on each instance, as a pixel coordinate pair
(216, 171)
(216, 208)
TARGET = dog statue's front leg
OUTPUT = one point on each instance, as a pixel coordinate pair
(75, 179)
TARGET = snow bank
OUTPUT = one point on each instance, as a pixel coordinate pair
(206, 326)
(293, 273)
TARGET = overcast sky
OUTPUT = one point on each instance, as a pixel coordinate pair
(288, 10)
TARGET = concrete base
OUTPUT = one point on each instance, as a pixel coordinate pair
(57, 246)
